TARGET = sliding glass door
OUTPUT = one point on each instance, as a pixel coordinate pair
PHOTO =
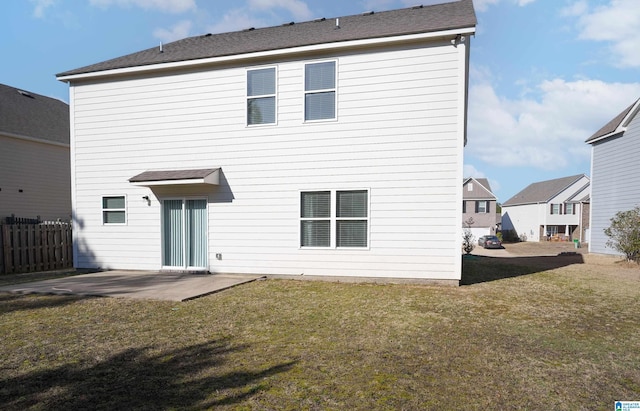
(184, 234)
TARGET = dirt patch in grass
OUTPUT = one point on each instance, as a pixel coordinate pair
(563, 338)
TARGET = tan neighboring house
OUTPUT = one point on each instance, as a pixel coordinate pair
(35, 176)
(479, 204)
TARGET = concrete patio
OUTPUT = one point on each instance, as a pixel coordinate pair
(151, 285)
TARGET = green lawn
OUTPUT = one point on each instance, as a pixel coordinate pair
(520, 335)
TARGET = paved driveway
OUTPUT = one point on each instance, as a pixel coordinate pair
(151, 285)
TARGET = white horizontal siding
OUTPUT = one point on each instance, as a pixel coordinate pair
(614, 182)
(398, 134)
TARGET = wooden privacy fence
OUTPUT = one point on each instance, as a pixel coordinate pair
(26, 248)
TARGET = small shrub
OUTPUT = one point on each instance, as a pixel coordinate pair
(468, 239)
(624, 233)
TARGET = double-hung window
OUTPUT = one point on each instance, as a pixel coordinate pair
(113, 210)
(320, 91)
(261, 96)
(555, 209)
(482, 206)
(569, 209)
(334, 219)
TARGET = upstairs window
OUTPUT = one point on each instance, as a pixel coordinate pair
(261, 96)
(569, 208)
(482, 206)
(555, 209)
(113, 210)
(320, 91)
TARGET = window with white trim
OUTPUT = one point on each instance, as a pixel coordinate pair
(555, 209)
(337, 219)
(482, 206)
(261, 96)
(113, 210)
(320, 91)
(569, 208)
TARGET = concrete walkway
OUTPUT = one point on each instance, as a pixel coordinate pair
(150, 285)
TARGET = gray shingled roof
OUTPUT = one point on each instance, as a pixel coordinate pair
(160, 175)
(611, 126)
(27, 114)
(542, 191)
(422, 19)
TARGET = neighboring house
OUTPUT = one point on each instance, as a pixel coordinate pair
(331, 147)
(615, 173)
(35, 176)
(480, 204)
(550, 210)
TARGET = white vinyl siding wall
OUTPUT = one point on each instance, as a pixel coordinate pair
(399, 133)
(614, 185)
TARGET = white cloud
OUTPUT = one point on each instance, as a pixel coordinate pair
(298, 9)
(236, 19)
(545, 130)
(470, 171)
(40, 7)
(169, 6)
(483, 5)
(178, 31)
(617, 24)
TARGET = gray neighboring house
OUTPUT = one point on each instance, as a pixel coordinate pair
(35, 173)
(615, 173)
(479, 203)
(553, 209)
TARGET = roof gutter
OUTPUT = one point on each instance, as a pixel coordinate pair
(269, 53)
(34, 139)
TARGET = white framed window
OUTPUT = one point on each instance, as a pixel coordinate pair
(334, 219)
(320, 91)
(261, 96)
(114, 210)
(555, 209)
(482, 206)
(569, 208)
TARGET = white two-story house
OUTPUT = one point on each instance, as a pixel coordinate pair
(550, 210)
(331, 147)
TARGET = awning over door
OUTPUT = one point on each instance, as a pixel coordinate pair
(177, 177)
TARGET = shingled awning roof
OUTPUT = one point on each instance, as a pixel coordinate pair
(415, 20)
(177, 177)
(27, 114)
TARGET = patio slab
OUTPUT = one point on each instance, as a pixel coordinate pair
(151, 285)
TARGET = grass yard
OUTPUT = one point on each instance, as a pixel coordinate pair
(523, 333)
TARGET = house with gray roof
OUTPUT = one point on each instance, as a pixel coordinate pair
(554, 210)
(35, 181)
(615, 170)
(330, 147)
(481, 206)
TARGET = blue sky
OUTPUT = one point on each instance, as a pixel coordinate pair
(544, 75)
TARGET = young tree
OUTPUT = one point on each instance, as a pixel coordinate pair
(468, 240)
(624, 233)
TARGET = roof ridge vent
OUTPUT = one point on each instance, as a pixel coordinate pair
(368, 13)
(25, 93)
(291, 23)
(417, 6)
(249, 29)
(320, 19)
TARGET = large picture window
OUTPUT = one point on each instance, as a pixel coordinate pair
(334, 219)
(261, 96)
(113, 210)
(320, 91)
